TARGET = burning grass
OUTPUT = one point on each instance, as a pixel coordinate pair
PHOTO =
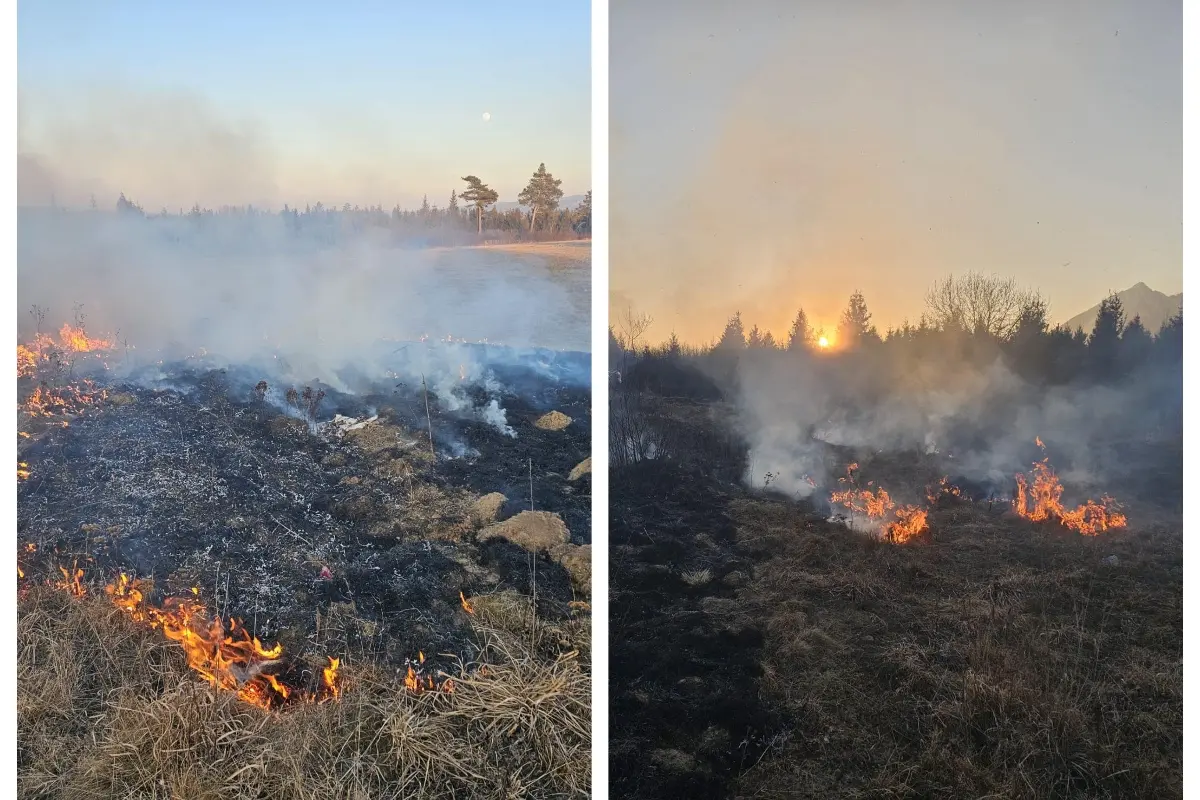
(108, 707)
(895, 523)
(1039, 499)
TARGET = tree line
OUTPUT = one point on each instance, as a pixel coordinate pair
(975, 318)
(469, 213)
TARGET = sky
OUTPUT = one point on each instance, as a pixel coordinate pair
(778, 155)
(268, 102)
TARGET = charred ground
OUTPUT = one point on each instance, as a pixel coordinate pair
(201, 485)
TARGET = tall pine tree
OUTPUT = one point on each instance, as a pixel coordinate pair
(541, 194)
(480, 195)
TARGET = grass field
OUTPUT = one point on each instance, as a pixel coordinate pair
(108, 708)
(760, 650)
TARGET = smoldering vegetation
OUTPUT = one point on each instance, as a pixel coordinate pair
(347, 309)
(967, 392)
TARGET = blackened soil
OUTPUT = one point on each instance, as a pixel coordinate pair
(684, 662)
(535, 456)
(202, 486)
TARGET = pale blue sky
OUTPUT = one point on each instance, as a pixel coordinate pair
(772, 155)
(300, 101)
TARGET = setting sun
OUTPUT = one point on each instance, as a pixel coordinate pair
(823, 342)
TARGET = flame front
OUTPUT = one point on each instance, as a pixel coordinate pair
(1039, 499)
(226, 654)
(49, 401)
(910, 521)
(50, 363)
(898, 524)
(44, 351)
(77, 341)
(943, 488)
(229, 659)
(72, 580)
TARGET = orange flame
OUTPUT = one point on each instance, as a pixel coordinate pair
(1039, 499)
(943, 488)
(910, 521)
(899, 523)
(27, 360)
(72, 581)
(224, 654)
(44, 351)
(76, 340)
(228, 659)
(48, 401)
(330, 675)
(466, 604)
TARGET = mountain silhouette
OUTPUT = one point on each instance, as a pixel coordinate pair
(1152, 306)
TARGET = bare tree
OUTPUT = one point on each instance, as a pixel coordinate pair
(979, 303)
(632, 325)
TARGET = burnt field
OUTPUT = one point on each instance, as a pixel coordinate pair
(785, 640)
(320, 523)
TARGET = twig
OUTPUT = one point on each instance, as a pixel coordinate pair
(428, 418)
(311, 546)
(531, 483)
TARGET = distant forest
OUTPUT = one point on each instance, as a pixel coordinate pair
(469, 216)
(967, 320)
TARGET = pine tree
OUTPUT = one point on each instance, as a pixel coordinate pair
(856, 322)
(1169, 341)
(1110, 322)
(673, 348)
(542, 194)
(1136, 345)
(583, 215)
(800, 337)
(480, 195)
(734, 336)
(1104, 345)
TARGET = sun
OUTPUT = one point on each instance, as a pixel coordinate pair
(823, 342)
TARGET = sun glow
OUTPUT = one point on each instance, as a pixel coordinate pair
(823, 342)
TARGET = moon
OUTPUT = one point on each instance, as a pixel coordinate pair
(487, 116)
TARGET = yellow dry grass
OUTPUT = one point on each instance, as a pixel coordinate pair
(109, 709)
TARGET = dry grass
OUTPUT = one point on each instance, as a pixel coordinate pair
(536, 531)
(109, 709)
(571, 251)
(999, 659)
(553, 421)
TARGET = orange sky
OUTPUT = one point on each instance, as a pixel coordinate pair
(767, 160)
